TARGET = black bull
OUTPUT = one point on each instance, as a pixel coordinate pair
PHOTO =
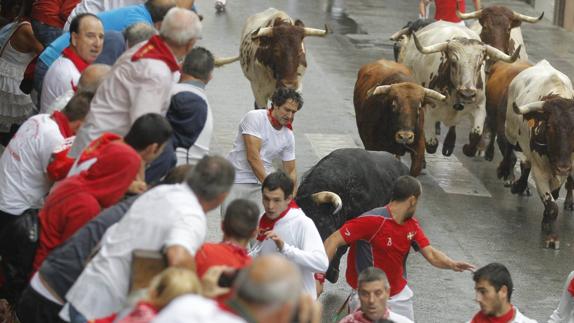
(362, 179)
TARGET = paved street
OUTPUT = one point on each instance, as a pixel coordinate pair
(465, 210)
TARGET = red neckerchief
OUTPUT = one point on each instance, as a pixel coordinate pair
(77, 60)
(155, 48)
(63, 124)
(238, 249)
(483, 318)
(266, 224)
(275, 123)
(571, 287)
(95, 146)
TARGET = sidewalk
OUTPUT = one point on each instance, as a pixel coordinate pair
(543, 40)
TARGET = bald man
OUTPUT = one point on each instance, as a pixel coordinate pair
(268, 290)
(89, 81)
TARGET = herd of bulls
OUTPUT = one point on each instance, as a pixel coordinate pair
(443, 72)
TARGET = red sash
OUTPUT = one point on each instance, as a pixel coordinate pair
(266, 224)
(571, 287)
(155, 48)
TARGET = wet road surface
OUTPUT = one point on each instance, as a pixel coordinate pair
(465, 210)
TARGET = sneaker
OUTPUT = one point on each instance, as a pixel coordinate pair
(219, 6)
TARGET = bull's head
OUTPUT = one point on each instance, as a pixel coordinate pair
(462, 64)
(552, 123)
(281, 48)
(497, 22)
(406, 101)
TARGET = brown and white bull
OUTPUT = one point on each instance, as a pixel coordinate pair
(388, 109)
(449, 58)
(540, 120)
(499, 27)
(272, 53)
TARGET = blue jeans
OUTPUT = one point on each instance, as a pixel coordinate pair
(75, 316)
(39, 74)
(45, 33)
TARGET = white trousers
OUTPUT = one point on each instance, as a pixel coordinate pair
(248, 191)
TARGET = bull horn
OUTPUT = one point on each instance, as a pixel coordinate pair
(526, 18)
(469, 15)
(220, 61)
(527, 108)
(316, 32)
(429, 49)
(261, 32)
(434, 95)
(379, 90)
(328, 197)
(498, 55)
(396, 36)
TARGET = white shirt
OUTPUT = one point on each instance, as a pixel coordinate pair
(519, 318)
(564, 313)
(165, 216)
(58, 80)
(97, 6)
(274, 144)
(23, 165)
(60, 102)
(131, 89)
(303, 246)
(195, 309)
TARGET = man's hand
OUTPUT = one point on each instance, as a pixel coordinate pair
(273, 236)
(459, 266)
(209, 286)
(137, 187)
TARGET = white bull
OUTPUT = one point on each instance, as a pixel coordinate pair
(272, 53)
(449, 58)
(540, 119)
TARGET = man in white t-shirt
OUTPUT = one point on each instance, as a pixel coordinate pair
(285, 228)
(263, 136)
(373, 290)
(168, 218)
(86, 44)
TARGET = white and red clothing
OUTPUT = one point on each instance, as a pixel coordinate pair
(62, 76)
(564, 313)
(512, 316)
(184, 309)
(302, 244)
(376, 239)
(29, 162)
(359, 317)
(140, 82)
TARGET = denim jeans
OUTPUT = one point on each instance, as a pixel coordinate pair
(45, 33)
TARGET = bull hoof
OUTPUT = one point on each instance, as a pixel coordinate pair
(447, 150)
(431, 149)
(502, 172)
(489, 154)
(552, 242)
(469, 150)
(519, 188)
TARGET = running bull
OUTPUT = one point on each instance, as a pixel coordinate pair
(540, 120)
(450, 59)
(343, 185)
(272, 53)
(388, 108)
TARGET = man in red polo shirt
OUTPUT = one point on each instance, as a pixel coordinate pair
(239, 226)
(383, 237)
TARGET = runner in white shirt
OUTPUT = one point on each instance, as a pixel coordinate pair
(97, 6)
(169, 218)
(263, 136)
(285, 228)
